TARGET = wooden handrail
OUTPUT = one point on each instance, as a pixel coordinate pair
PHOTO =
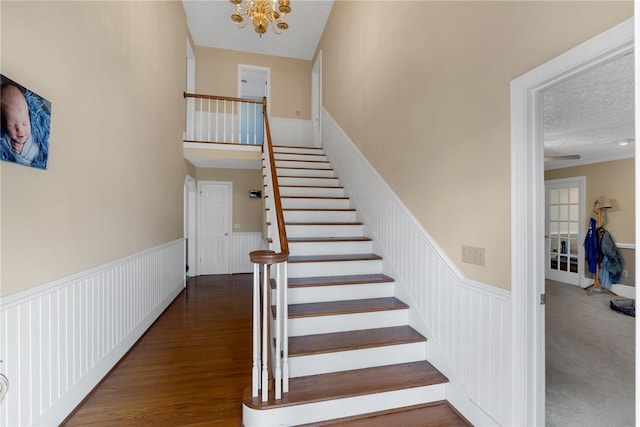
(282, 232)
(222, 98)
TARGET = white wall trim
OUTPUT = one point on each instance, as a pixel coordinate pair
(242, 243)
(527, 204)
(466, 322)
(59, 339)
(626, 246)
(291, 132)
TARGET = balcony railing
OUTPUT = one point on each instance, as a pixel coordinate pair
(223, 119)
(219, 119)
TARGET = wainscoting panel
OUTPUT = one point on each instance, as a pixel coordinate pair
(292, 132)
(467, 323)
(58, 340)
(241, 245)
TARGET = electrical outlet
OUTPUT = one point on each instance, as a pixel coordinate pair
(473, 255)
(625, 273)
(237, 226)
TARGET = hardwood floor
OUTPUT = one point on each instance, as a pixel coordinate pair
(189, 369)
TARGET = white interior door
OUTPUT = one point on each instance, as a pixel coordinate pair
(564, 224)
(214, 230)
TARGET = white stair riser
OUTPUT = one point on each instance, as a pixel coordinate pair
(329, 248)
(300, 157)
(298, 150)
(310, 203)
(311, 294)
(347, 322)
(314, 182)
(312, 192)
(340, 408)
(319, 216)
(326, 173)
(337, 268)
(298, 164)
(324, 230)
(300, 366)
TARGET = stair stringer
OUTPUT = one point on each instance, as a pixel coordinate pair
(458, 394)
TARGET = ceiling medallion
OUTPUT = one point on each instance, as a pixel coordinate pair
(261, 13)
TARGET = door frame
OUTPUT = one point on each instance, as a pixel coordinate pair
(266, 70)
(581, 183)
(190, 221)
(200, 183)
(527, 208)
(316, 101)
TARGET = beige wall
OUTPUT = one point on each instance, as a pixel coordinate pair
(429, 82)
(115, 73)
(615, 180)
(217, 74)
(246, 212)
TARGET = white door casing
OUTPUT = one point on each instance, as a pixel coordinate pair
(316, 100)
(214, 227)
(190, 219)
(527, 208)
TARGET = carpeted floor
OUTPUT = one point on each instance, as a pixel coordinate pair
(590, 360)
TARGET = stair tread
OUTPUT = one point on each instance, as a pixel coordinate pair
(297, 146)
(328, 239)
(311, 186)
(338, 280)
(323, 223)
(345, 307)
(308, 177)
(302, 161)
(303, 169)
(319, 209)
(358, 382)
(277, 153)
(316, 197)
(331, 258)
(352, 340)
(435, 414)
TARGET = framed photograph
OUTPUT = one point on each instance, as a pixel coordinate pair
(26, 124)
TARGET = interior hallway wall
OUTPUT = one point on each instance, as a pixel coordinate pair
(422, 88)
(114, 73)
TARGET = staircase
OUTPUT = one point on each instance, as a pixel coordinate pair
(353, 358)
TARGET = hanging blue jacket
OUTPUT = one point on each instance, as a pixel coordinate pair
(591, 251)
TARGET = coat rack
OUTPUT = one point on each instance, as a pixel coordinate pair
(598, 206)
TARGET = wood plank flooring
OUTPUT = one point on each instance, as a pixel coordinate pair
(189, 369)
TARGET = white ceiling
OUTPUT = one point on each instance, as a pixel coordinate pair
(210, 25)
(590, 115)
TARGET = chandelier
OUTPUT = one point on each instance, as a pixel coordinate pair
(261, 13)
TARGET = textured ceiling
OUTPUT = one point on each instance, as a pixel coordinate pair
(210, 25)
(590, 114)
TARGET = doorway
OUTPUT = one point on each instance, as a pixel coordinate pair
(316, 100)
(214, 227)
(564, 217)
(253, 83)
(527, 197)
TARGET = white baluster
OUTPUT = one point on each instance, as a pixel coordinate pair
(209, 120)
(255, 370)
(278, 323)
(285, 330)
(265, 335)
(224, 122)
(217, 114)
